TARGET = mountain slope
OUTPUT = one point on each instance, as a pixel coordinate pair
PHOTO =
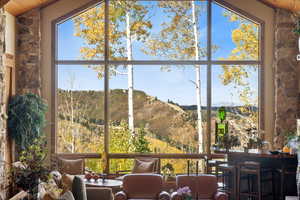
(162, 120)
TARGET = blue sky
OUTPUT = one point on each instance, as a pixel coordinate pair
(175, 84)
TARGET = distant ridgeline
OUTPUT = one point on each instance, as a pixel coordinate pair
(232, 109)
(166, 121)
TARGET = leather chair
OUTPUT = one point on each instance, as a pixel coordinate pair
(97, 193)
(202, 187)
(142, 186)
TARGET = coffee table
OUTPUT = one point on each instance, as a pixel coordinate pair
(111, 183)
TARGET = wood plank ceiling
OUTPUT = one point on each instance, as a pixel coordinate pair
(17, 7)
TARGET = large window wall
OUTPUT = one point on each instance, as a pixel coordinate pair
(149, 76)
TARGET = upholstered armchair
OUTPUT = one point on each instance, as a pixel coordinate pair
(203, 186)
(142, 186)
(97, 193)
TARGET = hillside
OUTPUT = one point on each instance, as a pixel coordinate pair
(163, 120)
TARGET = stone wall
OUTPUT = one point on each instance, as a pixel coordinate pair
(28, 52)
(286, 78)
(3, 132)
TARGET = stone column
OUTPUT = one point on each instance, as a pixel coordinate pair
(3, 132)
(28, 58)
(286, 78)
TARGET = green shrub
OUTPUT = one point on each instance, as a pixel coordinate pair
(26, 119)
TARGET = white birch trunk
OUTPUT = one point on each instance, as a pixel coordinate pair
(72, 123)
(130, 75)
(198, 81)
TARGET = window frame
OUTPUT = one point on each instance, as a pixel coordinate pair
(106, 62)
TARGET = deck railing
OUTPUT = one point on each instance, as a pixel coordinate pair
(201, 156)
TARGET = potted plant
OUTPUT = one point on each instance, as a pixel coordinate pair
(228, 141)
(31, 170)
(26, 119)
(168, 171)
(297, 31)
(254, 140)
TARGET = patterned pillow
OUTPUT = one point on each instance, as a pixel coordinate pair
(56, 176)
(78, 189)
(67, 182)
(49, 190)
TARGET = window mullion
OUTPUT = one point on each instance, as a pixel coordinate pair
(209, 49)
(106, 84)
(158, 62)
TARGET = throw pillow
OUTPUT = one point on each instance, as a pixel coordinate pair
(67, 182)
(73, 167)
(56, 176)
(144, 166)
(79, 189)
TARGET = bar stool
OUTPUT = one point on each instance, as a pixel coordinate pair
(254, 173)
(226, 172)
(211, 166)
(285, 170)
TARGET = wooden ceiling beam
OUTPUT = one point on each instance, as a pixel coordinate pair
(18, 7)
(291, 5)
(3, 2)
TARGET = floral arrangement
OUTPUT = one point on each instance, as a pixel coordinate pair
(90, 176)
(254, 140)
(185, 192)
(228, 141)
(168, 169)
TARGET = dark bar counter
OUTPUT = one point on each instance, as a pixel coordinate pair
(274, 162)
(265, 159)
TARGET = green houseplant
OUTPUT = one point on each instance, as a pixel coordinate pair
(228, 141)
(253, 138)
(297, 28)
(297, 32)
(31, 169)
(26, 119)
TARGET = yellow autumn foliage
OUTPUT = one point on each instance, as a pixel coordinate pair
(246, 41)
